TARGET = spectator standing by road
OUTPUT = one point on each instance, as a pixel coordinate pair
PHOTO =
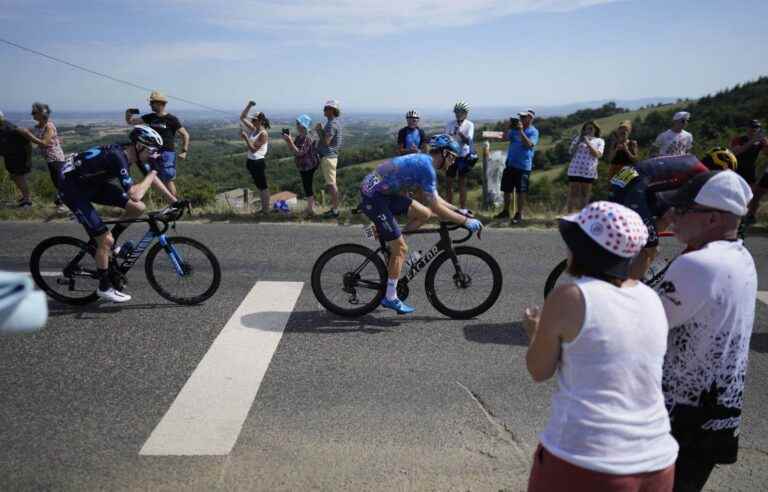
(411, 138)
(167, 125)
(15, 151)
(675, 141)
(620, 150)
(604, 337)
(46, 136)
(463, 131)
(304, 149)
(329, 142)
(523, 138)
(747, 149)
(256, 138)
(709, 294)
(586, 150)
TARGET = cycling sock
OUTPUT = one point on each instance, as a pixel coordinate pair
(391, 289)
(117, 230)
(104, 282)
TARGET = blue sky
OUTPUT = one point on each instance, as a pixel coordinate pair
(373, 55)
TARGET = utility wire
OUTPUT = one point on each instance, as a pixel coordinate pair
(106, 76)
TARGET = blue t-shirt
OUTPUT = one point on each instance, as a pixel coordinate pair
(401, 173)
(410, 138)
(99, 164)
(518, 155)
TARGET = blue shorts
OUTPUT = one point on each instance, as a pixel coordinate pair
(381, 209)
(167, 170)
(80, 195)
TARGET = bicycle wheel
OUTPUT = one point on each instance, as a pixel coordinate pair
(349, 280)
(65, 269)
(556, 277)
(189, 274)
(469, 290)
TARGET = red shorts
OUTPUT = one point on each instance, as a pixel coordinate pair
(550, 473)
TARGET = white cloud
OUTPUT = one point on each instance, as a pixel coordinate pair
(330, 18)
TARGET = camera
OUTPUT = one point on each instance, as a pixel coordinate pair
(134, 111)
(286, 131)
(514, 121)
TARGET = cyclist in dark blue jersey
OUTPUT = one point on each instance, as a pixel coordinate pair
(383, 196)
(641, 187)
(88, 177)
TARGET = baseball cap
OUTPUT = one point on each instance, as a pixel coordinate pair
(752, 124)
(304, 120)
(606, 235)
(527, 112)
(333, 103)
(720, 190)
(157, 96)
(681, 115)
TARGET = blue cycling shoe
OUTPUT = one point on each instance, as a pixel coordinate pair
(397, 305)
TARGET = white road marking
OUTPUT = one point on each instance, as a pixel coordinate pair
(208, 413)
(762, 295)
(43, 274)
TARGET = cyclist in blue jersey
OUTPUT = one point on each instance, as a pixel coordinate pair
(87, 178)
(382, 198)
(641, 187)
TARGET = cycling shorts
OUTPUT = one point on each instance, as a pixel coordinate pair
(381, 209)
(80, 195)
(635, 195)
(460, 167)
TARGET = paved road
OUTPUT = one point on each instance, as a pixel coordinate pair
(379, 403)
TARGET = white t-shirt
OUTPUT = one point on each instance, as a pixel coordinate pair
(673, 143)
(709, 296)
(584, 164)
(467, 130)
(262, 152)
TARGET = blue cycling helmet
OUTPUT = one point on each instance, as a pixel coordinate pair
(445, 142)
(304, 120)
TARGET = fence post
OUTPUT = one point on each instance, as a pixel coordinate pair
(246, 203)
(486, 156)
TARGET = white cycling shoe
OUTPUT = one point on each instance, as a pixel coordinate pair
(112, 295)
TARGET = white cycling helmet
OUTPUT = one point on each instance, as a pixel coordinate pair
(22, 308)
(145, 135)
(461, 107)
(412, 114)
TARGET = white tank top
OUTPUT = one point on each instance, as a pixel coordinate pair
(262, 152)
(608, 414)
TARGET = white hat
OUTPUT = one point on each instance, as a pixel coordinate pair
(681, 115)
(527, 112)
(720, 190)
(333, 103)
(617, 229)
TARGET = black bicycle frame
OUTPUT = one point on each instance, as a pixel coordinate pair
(154, 232)
(445, 244)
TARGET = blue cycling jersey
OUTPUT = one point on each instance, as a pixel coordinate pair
(401, 173)
(99, 164)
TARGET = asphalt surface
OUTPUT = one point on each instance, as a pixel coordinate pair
(379, 403)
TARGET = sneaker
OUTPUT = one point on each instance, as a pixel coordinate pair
(397, 305)
(503, 215)
(331, 214)
(517, 219)
(23, 203)
(113, 295)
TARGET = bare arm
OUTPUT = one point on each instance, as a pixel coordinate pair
(184, 142)
(136, 192)
(560, 320)
(30, 136)
(524, 138)
(254, 146)
(133, 119)
(244, 116)
(592, 149)
(443, 209)
(292, 145)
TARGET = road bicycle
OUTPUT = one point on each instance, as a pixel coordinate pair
(187, 273)
(461, 282)
(652, 277)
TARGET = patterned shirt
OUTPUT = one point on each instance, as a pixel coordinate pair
(584, 163)
(52, 152)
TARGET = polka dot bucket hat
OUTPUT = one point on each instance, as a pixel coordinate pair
(605, 234)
